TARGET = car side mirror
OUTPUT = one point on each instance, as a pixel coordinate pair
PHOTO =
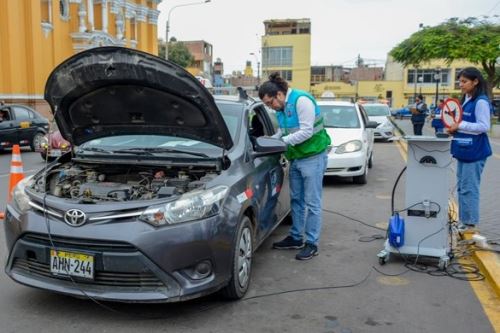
(268, 146)
(372, 124)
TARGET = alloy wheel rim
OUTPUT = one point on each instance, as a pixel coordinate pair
(244, 257)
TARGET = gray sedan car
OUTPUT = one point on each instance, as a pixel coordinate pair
(166, 194)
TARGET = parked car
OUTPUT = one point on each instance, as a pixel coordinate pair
(53, 145)
(352, 139)
(165, 196)
(21, 125)
(403, 112)
(380, 113)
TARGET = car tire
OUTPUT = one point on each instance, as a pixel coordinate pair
(363, 179)
(241, 267)
(370, 161)
(36, 140)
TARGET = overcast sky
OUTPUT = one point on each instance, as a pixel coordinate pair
(341, 29)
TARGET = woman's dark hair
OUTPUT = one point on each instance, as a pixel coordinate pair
(473, 73)
(270, 88)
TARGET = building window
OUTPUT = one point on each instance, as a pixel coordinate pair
(425, 76)
(277, 56)
(64, 9)
(46, 11)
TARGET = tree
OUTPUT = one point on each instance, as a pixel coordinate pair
(477, 41)
(177, 52)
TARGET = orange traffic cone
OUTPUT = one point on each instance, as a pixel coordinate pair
(16, 169)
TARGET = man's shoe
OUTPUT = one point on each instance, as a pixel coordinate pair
(309, 251)
(288, 243)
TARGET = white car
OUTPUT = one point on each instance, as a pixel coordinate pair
(380, 113)
(352, 140)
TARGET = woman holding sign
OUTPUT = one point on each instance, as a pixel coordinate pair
(470, 144)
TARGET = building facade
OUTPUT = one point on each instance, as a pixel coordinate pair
(202, 52)
(286, 48)
(37, 35)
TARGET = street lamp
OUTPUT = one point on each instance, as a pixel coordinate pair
(258, 67)
(168, 20)
(437, 78)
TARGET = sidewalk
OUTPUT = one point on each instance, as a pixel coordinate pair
(488, 262)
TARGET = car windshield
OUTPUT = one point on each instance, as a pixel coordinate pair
(340, 116)
(377, 110)
(158, 144)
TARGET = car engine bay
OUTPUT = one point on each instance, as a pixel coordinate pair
(92, 183)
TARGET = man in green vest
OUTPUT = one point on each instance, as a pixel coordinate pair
(301, 128)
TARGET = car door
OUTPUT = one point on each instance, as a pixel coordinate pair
(24, 121)
(270, 180)
(8, 129)
(368, 134)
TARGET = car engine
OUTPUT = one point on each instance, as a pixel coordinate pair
(94, 183)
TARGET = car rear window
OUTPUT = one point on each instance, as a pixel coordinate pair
(377, 110)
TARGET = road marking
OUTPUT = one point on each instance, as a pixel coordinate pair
(393, 280)
(383, 196)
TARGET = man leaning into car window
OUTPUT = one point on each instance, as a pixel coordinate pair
(301, 128)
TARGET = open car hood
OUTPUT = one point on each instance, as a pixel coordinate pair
(113, 90)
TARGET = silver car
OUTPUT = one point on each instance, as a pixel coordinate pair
(380, 113)
(165, 195)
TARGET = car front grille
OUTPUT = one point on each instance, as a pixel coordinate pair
(79, 243)
(115, 279)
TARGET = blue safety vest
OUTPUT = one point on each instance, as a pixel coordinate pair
(289, 123)
(436, 121)
(470, 147)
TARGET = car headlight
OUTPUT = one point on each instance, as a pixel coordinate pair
(20, 198)
(190, 206)
(349, 147)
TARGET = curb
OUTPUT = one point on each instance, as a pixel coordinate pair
(488, 262)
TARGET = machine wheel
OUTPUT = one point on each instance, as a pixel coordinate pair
(382, 261)
(242, 261)
(443, 263)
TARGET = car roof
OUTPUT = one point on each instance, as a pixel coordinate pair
(345, 103)
(381, 104)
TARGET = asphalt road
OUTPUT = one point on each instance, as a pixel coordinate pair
(339, 291)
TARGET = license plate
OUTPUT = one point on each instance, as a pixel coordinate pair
(71, 263)
(55, 152)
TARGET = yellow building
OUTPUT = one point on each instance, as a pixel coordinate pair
(37, 35)
(286, 48)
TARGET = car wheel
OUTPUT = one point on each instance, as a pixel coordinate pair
(37, 140)
(241, 262)
(361, 179)
(370, 161)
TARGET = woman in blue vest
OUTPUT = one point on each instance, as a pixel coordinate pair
(301, 128)
(470, 145)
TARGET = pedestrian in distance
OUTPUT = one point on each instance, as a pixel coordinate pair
(470, 145)
(301, 128)
(418, 115)
(436, 122)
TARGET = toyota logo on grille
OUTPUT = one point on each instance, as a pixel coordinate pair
(75, 217)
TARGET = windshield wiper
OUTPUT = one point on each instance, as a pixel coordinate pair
(134, 151)
(170, 150)
(95, 149)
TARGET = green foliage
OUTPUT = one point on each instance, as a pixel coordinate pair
(179, 53)
(477, 41)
